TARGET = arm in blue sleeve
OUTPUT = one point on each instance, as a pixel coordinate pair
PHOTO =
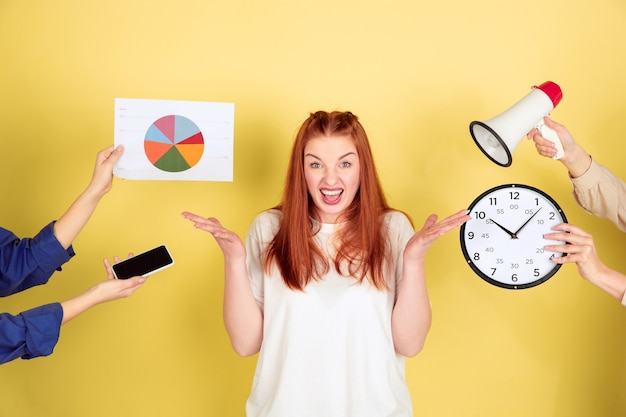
(27, 262)
(30, 334)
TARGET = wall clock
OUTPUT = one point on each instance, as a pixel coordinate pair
(503, 242)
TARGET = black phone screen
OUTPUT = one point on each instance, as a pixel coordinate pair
(144, 263)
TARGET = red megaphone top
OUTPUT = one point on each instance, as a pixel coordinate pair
(552, 90)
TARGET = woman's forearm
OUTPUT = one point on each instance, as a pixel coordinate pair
(243, 318)
(412, 316)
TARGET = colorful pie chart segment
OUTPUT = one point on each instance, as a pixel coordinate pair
(173, 143)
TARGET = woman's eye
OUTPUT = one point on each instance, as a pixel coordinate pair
(315, 165)
(346, 164)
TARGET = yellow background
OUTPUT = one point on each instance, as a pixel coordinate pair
(417, 73)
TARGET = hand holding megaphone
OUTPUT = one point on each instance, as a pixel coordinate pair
(553, 137)
(499, 136)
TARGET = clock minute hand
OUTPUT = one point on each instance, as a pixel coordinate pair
(513, 235)
(527, 221)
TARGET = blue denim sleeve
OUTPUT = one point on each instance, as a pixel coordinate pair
(27, 262)
(30, 334)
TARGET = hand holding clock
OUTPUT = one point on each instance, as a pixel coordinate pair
(579, 248)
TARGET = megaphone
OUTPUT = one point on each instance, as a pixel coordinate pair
(499, 136)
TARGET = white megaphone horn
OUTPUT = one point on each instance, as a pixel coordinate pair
(499, 136)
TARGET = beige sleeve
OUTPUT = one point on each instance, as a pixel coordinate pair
(601, 193)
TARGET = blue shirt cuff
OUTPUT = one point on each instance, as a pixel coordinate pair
(30, 334)
(48, 251)
(43, 327)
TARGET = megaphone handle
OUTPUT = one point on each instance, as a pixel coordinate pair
(552, 136)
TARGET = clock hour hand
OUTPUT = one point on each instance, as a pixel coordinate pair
(513, 235)
(527, 221)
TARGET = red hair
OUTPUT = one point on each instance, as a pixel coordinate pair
(363, 242)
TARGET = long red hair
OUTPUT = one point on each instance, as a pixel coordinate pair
(363, 243)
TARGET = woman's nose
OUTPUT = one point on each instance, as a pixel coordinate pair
(330, 176)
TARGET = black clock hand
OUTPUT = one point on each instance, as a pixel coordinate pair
(527, 221)
(513, 235)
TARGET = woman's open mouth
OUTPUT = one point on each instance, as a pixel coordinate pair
(331, 196)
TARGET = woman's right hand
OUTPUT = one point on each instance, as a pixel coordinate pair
(231, 244)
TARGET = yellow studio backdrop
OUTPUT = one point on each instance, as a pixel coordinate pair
(417, 73)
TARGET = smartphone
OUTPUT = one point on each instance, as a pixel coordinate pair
(144, 264)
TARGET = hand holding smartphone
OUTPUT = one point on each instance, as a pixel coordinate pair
(144, 264)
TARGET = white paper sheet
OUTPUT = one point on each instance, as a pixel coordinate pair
(174, 140)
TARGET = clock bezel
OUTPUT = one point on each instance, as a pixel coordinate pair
(479, 271)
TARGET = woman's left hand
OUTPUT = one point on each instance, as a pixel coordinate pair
(420, 242)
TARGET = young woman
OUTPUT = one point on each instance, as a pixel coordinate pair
(330, 285)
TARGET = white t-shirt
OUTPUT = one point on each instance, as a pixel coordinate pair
(327, 351)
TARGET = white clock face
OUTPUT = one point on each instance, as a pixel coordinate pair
(503, 242)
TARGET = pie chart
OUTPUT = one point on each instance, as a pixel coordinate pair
(173, 143)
